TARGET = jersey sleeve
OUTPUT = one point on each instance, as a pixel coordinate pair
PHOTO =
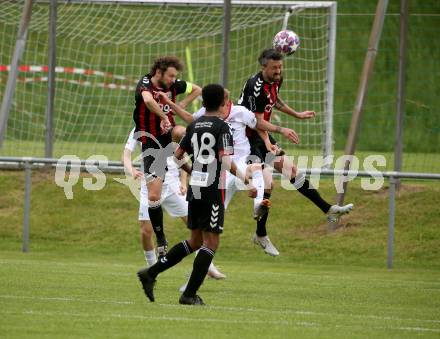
(131, 142)
(248, 118)
(225, 141)
(199, 113)
(260, 101)
(253, 97)
(181, 86)
(144, 85)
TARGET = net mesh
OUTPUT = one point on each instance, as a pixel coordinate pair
(103, 49)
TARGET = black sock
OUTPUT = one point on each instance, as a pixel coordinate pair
(311, 193)
(174, 256)
(156, 218)
(261, 224)
(200, 269)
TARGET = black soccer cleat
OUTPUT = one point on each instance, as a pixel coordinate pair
(147, 283)
(195, 300)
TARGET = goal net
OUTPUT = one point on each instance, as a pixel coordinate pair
(104, 47)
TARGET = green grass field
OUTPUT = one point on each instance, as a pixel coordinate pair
(79, 278)
(75, 296)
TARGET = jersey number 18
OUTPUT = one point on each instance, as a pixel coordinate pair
(207, 142)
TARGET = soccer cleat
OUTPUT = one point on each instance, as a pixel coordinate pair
(214, 273)
(266, 245)
(196, 300)
(147, 283)
(262, 209)
(336, 211)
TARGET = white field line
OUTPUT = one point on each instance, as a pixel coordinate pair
(229, 308)
(212, 320)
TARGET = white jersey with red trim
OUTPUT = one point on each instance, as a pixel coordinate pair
(238, 118)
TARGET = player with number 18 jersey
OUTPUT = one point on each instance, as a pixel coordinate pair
(207, 139)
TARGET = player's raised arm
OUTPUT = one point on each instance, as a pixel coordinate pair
(269, 127)
(181, 112)
(126, 156)
(283, 107)
(182, 160)
(154, 107)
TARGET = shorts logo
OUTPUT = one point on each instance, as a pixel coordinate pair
(214, 215)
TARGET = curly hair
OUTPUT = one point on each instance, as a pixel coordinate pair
(162, 64)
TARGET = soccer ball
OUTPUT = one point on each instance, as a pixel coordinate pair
(286, 42)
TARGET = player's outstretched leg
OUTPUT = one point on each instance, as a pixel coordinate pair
(175, 255)
(302, 185)
(261, 204)
(154, 187)
(260, 237)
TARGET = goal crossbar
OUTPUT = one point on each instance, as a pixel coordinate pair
(219, 3)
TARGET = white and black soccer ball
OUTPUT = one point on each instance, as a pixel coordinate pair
(286, 42)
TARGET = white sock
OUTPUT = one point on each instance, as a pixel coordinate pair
(258, 182)
(150, 257)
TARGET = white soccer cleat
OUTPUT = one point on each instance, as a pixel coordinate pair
(266, 245)
(183, 287)
(336, 211)
(214, 273)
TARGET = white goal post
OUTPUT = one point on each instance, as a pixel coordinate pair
(103, 47)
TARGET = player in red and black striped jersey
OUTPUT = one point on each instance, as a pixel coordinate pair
(154, 121)
(260, 95)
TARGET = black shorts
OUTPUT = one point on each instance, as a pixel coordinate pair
(207, 216)
(155, 154)
(259, 152)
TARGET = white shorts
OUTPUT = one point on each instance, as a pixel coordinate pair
(233, 183)
(174, 203)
